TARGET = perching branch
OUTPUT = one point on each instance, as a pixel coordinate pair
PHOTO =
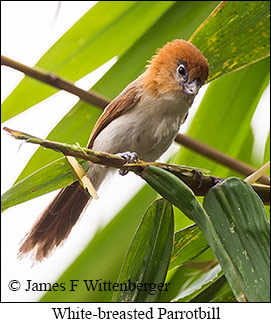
(198, 182)
(100, 101)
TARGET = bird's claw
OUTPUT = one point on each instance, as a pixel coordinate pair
(130, 157)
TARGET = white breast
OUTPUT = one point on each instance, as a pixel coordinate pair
(148, 129)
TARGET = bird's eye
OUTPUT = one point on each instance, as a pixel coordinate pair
(182, 70)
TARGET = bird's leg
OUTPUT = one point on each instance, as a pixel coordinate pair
(130, 157)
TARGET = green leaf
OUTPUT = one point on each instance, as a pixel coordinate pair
(177, 278)
(172, 189)
(102, 258)
(246, 150)
(240, 221)
(148, 256)
(96, 38)
(235, 35)
(188, 244)
(53, 176)
(179, 21)
(208, 291)
(226, 297)
(181, 277)
(200, 284)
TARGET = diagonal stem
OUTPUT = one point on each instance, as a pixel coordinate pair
(220, 157)
(57, 82)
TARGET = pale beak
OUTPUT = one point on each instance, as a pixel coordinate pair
(191, 88)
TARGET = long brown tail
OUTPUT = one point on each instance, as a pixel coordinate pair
(55, 223)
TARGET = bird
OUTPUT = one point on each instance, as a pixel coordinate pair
(141, 122)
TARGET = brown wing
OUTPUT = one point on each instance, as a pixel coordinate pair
(121, 104)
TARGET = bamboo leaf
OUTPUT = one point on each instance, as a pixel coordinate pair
(147, 263)
(201, 284)
(178, 278)
(208, 292)
(172, 189)
(235, 35)
(226, 297)
(246, 150)
(47, 179)
(188, 244)
(240, 221)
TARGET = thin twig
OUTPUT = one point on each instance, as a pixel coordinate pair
(219, 157)
(57, 82)
(100, 101)
(199, 183)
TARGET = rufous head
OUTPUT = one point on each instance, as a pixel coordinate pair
(178, 66)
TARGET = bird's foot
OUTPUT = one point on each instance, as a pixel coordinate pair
(130, 157)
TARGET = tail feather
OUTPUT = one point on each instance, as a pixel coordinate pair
(55, 223)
